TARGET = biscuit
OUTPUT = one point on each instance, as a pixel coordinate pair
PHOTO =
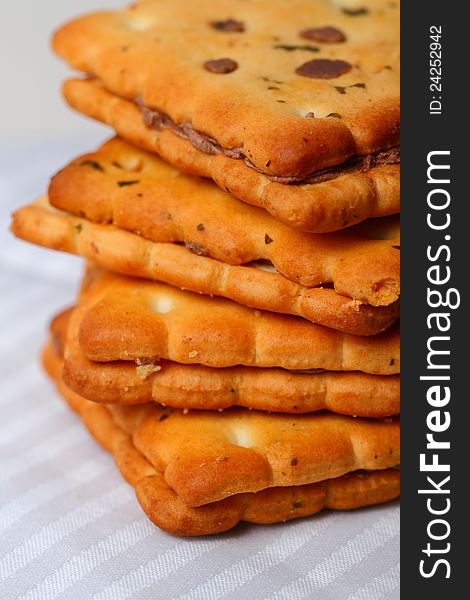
(161, 502)
(265, 94)
(251, 285)
(139, 192)
(129, 319)
(207, 456)
(199, 387)
(317, 207)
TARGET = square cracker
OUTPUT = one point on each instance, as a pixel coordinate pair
(128, 319)
(170, 512)
(137, 191)
(199, 387)
(256, 285)
(325, 203)
(252, 91)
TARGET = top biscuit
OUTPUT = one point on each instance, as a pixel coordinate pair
(303, 86)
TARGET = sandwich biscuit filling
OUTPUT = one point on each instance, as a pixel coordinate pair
(155, 119)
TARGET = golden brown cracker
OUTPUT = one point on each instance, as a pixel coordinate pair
(139, 192)
(317, 207)
(205, 456)
(284, 104)
(129, 319)
(199, 387)
(254, 286)
(169, 512)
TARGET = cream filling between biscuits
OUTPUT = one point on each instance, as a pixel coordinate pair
(155, 119)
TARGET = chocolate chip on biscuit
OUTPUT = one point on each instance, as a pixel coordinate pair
(93, 164)
(127, 183)
(355, 12)
(228, 25)
(268, 239)
(292, 47)
(221, 65)
(323, 68)
(325, 35)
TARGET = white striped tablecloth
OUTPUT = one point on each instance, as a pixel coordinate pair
(71, 528)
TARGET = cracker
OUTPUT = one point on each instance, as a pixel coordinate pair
(265, 94)
(139, 192)
(129, 319)
(130, 254)
(170, 511)
(199, 387)
(316, 207)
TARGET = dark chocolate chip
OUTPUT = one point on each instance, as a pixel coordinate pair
(228, 25)
(335, 115)
(392, 361)
(358, 85)
(396, 247)
(293, 461)
(273, 87)
(78, 228)
(281, 101)
(291, 48)
(340, 88)
(126, 183)
(220, 66)
(200, 227)
(267, 239)
(323, 68)
(326, 35)
(355, 12)
(163, 416)
(93, 164)
(268, 163)
(310, 115)
(116, 164)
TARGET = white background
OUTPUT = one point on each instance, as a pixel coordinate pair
(30, 75)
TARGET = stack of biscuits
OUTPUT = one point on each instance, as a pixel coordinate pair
(235, 341)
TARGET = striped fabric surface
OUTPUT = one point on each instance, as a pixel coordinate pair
(70, 527)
